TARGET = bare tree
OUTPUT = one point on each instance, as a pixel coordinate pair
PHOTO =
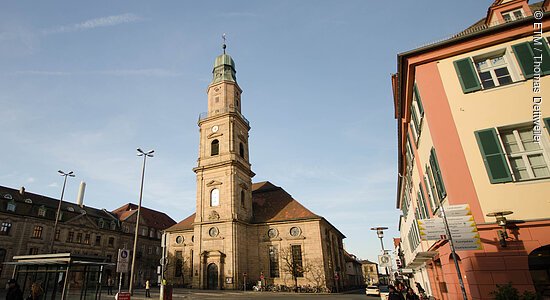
(293, 265)
(317, 274)
(179, 265)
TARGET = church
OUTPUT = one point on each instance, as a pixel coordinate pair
(244, 232)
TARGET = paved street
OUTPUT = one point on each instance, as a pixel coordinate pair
(203, 294)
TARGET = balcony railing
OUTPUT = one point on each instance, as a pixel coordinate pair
(207, 114)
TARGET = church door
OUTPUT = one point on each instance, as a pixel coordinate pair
(212, 277)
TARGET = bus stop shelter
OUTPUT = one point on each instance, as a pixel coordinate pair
(61, 275)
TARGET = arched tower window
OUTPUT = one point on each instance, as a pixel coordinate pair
(241, 150)
(215, 148)
(242, 198)
(215, 197)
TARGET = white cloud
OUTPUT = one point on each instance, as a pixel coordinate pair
(94, 23)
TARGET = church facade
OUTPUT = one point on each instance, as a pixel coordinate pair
(244, 232)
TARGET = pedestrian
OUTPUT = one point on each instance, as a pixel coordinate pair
(147, 289)
(394, 294)
(110, 283)
(411, 295)
(14, 291)
(36, 292)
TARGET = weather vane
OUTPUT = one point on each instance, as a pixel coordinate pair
(224, 46)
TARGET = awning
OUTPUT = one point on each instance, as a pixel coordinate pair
(421, 258)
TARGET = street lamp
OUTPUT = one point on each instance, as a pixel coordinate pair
(502, 222)
(70, 174)
(145, 155)
(380, 234)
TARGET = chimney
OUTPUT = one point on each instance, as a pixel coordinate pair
(80, 197)
(22, 191)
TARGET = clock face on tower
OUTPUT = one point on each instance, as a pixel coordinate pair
(215, 128)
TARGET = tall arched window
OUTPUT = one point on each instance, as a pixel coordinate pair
(215, 197)
(241, 150)
(215, 148)
(242, 199)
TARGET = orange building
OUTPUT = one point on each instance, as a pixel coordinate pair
(473, 116)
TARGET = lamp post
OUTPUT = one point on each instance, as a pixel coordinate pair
(502, 222)
(70, 174)
(145, 155)
(380, 234)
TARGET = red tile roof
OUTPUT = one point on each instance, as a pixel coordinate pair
(152, 218)
(272, 203)
(185, 224)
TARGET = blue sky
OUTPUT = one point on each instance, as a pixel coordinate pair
(83, 84)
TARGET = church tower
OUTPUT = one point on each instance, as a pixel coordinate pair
(224, 183)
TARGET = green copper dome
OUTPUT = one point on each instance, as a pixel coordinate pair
(224, 69)
(224, 59)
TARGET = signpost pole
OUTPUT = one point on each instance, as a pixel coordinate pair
(119, 281)
(448, 231)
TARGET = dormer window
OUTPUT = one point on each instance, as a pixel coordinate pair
(113, 225)
(28, 201)
(42, 211)
(8, 196)
(70, 208)
(11, 205)
(513, 15)
(101, 223)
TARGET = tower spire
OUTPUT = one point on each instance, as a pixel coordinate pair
(224, 45)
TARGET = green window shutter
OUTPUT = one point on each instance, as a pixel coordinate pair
(493, 156)
(437, 175)
(414, 117)
(467, 75)
(432, 206)
(545, 68)
(418, 100)
(547, 123)
(524, 55)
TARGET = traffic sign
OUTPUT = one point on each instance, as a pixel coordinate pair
(458, 210)
(123, 261)
(467, 244)
(384, 261)
(465, 235)
(122, 296)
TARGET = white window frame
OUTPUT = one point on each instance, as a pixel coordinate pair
(511, 14)
(523, 153)
(11, 206)
(509, 63)
(42, 211)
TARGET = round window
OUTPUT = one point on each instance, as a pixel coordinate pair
(213, 232)
(295, 231)
(272, 233)
(179, 239)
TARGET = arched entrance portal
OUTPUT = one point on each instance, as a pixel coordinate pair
(212, 277)
(539, 266)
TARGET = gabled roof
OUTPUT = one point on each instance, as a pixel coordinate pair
(185, 224)
(152, 218)
(271, 203)
(29, 203)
